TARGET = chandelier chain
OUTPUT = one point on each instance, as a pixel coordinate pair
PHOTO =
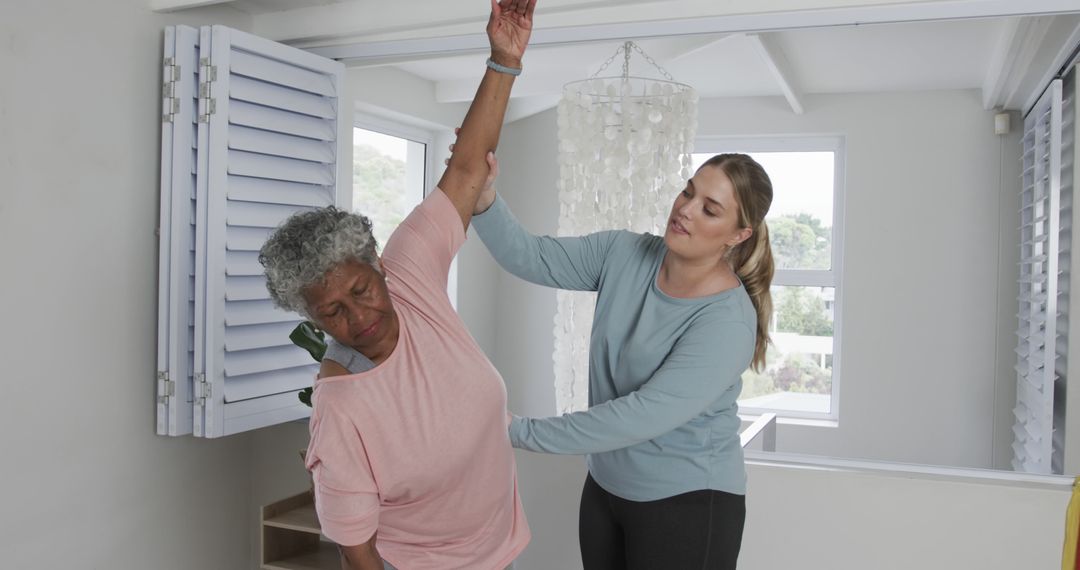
(625, 50)
(638, 49)
(606, 63)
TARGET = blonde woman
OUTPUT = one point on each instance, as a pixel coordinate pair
(678, 319)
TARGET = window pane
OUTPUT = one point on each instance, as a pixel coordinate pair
(388, 179)
(798, 371)
(800, 219)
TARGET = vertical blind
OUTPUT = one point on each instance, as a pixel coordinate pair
(1045, 251)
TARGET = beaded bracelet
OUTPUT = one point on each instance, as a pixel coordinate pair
(502, 68)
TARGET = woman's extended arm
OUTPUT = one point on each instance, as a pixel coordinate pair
(574, 263)
(705, 363)
(508, 29)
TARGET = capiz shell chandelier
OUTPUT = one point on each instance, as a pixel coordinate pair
(624, 152)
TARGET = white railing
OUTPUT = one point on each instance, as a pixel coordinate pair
(763, 430)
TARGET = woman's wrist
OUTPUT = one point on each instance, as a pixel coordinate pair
(515, 71)
(484, 203)
(505, 60)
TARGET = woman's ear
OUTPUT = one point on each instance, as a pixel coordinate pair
(742, 235)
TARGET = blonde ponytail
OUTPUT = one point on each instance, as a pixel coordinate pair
(752, 259)
(753, 262)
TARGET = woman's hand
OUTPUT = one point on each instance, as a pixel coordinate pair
(508, 30)
(487, 194)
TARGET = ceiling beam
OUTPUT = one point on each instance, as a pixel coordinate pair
(1065, 51)
(177, 5)
(1014, 53)
(775, 60)
(343, 45)
(703, 43)
(550, 84)
(528, 85)
(669, 50)
(1030, 35)
(348, 21)
(1002, 61)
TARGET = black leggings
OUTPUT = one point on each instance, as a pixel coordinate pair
(700, 530)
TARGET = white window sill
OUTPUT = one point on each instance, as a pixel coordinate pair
(810, 422)
(908, 470)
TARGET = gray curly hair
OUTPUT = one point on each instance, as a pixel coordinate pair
(307, 245)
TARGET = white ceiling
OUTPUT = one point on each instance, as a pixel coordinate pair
(996, 55)
(259, 7)
(883, 57)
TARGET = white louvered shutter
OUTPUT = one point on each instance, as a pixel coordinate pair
(1045, 249)
(176, 255)
(1065, 258)
(268, 147)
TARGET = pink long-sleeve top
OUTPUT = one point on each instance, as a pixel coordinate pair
(417, 447)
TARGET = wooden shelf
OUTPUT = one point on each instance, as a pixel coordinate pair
(292, 538)
(301, 518)
(324, 558)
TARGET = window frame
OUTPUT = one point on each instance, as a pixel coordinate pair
(716, 144)
(401, 130)
(366, 120)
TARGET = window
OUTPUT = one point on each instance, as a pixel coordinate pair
(801, 376)
(393, 170)
(390, 166)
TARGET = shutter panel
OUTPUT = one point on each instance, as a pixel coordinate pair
(1046, 235)
(270, 150)
(1065, 253)
(176, 255)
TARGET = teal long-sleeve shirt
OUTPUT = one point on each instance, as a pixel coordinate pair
(664, 372)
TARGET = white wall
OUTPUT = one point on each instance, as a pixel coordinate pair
(86, 482)
(842, 520)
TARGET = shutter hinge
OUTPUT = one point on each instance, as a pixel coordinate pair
(170, 103)
(205, 389)
(166, 387)
(207, 102)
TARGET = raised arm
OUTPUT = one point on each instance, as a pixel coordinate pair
(508, 29)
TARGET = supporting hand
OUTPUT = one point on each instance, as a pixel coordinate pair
(487, 194)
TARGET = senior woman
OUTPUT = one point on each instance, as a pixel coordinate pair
(411, 460)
